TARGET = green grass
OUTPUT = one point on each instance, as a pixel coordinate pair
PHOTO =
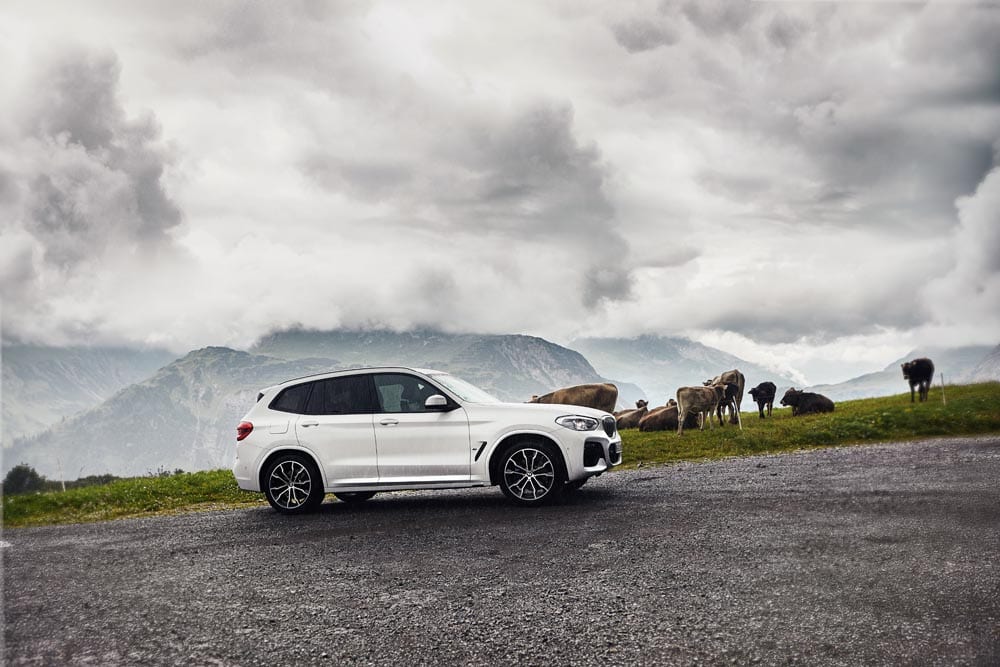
(970, 410)
(140, 496)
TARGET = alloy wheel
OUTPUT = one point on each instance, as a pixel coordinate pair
(290, 484)
(529, 474)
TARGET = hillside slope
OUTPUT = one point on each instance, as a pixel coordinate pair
(42, 385)
(956, 364)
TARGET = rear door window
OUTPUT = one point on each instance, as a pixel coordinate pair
(349, 395)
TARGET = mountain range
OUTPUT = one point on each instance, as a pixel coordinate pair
(42, 385)
(83, 411)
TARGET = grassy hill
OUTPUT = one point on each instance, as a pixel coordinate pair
(970, 410)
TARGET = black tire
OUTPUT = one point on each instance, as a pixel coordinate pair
(354, 496)
(293, 485)
(531, 473)
(578, 484)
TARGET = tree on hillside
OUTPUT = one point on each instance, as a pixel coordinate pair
(22, 478)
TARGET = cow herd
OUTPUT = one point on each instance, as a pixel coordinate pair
(715, 398)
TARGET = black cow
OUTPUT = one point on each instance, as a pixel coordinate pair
(919, 373)
(763, 396)
(729, 401)
(804, 402)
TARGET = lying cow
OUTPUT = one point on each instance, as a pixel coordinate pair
(731, 377)
(804, 402)
(763, 395)
(698, 400)
(664, 418)
(919, 373)
(598, 396)
(631, 418)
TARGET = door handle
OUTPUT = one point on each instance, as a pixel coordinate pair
(389, 421)
(308, 424)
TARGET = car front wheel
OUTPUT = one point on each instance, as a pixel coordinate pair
(293, 485)
(530, 473)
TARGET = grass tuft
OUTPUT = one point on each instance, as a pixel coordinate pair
(139, 496)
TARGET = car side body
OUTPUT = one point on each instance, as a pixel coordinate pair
(363, 431)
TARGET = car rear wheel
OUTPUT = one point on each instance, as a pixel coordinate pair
(530, 473)
(355, 496)
(293, 485)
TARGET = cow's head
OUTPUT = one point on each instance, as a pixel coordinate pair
(533, 399)
(791, 397)
(907, 367)
(640, 404)
(753, 392)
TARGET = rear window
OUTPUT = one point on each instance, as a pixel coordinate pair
(293, 399)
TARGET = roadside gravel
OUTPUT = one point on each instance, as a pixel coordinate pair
(882, 554)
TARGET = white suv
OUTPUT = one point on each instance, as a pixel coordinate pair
(355, 433)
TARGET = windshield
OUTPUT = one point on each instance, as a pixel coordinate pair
(464, 390)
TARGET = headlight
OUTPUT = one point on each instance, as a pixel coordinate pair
(578, 423)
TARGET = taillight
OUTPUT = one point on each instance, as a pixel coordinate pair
(243, 430)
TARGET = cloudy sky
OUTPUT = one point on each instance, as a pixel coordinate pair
(811, 185)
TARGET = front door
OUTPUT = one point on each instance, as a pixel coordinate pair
(416, 445)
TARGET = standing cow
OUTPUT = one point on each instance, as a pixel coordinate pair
(919, 373)
(731, 377)
(598, 396)
(694, 400)
(804, 402)
(763, 395)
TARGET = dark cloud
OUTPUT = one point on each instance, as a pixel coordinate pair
(87, 185)
(374, 179)
(103, 179)
(522, 177)
(785, 31)
(718, 17)
(640, 34)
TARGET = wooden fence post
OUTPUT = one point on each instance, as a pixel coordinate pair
(944, 401)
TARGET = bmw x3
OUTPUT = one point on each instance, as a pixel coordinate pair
(359, 432)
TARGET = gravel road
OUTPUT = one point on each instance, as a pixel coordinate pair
(868, 555)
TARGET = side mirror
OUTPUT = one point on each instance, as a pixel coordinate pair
(436, 402)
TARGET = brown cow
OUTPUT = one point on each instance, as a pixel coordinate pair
(598, 396)
(694, 400)
(630, 418)
(731, 377)
(664, 418)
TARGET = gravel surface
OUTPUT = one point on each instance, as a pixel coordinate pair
(867, 555)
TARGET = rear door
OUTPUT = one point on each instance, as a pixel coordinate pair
(337, 426)
(416, 445)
